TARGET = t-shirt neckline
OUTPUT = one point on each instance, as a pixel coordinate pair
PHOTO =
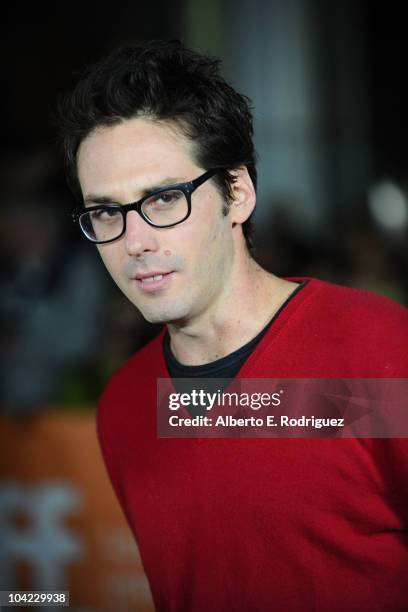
(248, 348)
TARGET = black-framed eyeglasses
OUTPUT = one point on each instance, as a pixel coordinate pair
(164, 207)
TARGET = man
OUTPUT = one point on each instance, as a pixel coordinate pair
(160, 147)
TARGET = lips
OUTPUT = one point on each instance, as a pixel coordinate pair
(150, 274)
(153, 281)
(152, 278)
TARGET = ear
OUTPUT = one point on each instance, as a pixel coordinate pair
(244, 197)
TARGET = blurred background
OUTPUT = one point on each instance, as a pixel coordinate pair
(329, 90)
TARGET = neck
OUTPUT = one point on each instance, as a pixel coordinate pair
(249, 300)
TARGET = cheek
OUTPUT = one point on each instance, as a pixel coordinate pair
(212, 246)
(110, 258)
(199, 247)
(211, 223)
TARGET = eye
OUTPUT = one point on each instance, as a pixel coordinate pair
(105, 214)
(165, 199)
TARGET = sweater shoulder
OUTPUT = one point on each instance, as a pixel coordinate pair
(146, 360)
(145, 365)
(365, 328)
(361, 308)
(329, 330)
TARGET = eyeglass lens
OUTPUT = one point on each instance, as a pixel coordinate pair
(162, 209)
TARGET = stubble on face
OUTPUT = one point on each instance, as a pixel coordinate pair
(200, 276)
(122, 160)
(154, 306)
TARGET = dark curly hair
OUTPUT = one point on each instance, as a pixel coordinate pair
(167, 82)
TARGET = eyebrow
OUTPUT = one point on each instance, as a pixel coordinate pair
(92, 198)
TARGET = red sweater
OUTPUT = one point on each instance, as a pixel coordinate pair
(240, 525)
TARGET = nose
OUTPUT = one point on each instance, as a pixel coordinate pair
(140, 237)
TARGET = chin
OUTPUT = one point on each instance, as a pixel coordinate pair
(165, 313)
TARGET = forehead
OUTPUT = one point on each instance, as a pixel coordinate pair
(135, 148)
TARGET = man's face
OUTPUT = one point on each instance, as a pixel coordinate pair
(196, 257)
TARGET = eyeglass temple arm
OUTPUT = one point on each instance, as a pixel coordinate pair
(201, 179)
